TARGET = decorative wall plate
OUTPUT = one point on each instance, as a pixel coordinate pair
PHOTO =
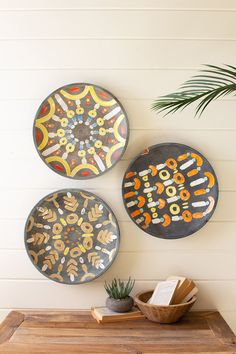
(72, 236)
(81, 130)
(170, 190)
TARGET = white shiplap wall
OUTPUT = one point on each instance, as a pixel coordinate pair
(137, 50)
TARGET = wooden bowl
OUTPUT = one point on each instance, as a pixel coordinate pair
(162, 314)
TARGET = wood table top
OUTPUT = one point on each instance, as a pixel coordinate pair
(70, 332)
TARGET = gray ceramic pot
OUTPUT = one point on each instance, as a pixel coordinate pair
(120, 305)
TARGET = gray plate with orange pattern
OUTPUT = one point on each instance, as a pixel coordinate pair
(170, 190)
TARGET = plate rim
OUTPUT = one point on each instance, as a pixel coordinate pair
(64, 190)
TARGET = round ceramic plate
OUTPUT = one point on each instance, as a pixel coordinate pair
(170, 190)
(80, 130)
(72, 236)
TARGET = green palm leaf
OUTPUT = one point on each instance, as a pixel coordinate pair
(212, 83)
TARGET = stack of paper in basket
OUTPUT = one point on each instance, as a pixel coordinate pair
(174, 290)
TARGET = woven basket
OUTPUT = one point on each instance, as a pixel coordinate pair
(162, 314)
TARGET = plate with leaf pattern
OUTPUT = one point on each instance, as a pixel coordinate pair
(72, 236)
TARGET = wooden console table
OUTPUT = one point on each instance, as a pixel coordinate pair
(70, 332)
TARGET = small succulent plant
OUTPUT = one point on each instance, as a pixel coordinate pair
(117, 289)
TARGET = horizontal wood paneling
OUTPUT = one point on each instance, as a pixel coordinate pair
(155, 24)
(139, 114)
(211, 143)
(141, 266)
(18, 203)
(46, 294)
(128, 84)
(128, 54)
(137, 50)
(215, 236)
(111, 180)
(217, 5)
(142, 117)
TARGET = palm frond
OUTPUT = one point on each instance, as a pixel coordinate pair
(212, 82)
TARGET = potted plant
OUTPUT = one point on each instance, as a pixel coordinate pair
(119, 299)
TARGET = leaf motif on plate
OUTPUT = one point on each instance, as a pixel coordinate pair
(106, 237)
(95, 213)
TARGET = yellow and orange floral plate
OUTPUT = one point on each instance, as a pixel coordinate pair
(81, 130)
